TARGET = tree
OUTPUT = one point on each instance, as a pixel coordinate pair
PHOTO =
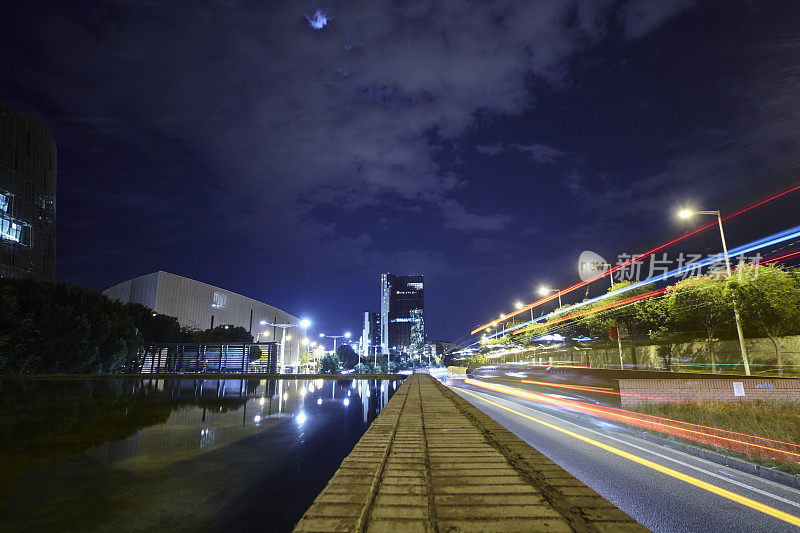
(347, 356)
(362, 368)
(701, 300)
(62, 328)
(330, 364)
(224, 333)
(306, 358)
(768, 297)
(635, 317)
(477, 359)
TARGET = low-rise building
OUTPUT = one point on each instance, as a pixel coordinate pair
(198, 305)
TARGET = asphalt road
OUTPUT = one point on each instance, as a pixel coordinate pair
(664, 489)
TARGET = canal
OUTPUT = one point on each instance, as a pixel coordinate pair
(188, 454)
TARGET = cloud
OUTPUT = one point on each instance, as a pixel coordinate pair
(641, 17)
(456, 217)
(539, 152)
(535, 152)
(285, 121)
(492, 149)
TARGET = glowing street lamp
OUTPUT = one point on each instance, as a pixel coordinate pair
(284, 338)
(335, 337)
(544, 291)
(687, 213)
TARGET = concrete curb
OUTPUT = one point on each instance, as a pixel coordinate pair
(432, 462)
(223, 375)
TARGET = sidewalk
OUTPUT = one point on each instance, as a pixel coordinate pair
(433, 462)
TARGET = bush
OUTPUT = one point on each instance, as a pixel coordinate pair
(477, 359)
(347, 356)
(330, 364)
(361, 368)
(50, 327)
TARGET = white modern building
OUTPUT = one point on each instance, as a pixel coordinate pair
(202, 306)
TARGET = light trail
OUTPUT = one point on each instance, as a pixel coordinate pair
(633, 299)
(652, 423)
(571, 387)
(770, 240)
(605, 307)
(779, 258)
(742, 500)
(635, 259)
(605, 390)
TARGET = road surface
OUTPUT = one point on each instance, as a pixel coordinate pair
(664, 489)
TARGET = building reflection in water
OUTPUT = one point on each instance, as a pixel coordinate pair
(215, 436)
(210, 414)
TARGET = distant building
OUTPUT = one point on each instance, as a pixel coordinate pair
(371, 335)
(199, 305)
(27, 197)
(402, 314)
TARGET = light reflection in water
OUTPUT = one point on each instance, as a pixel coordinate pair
(92, 432)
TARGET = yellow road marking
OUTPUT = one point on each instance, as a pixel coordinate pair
(766, 509)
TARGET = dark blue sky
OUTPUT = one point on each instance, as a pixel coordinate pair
(483, 144)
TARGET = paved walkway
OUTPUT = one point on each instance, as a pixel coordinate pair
(433, 462)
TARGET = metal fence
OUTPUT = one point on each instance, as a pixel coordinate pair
(198, 358)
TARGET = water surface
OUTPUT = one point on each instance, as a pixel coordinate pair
(174, 454)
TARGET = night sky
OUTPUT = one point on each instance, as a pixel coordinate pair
(484, 144)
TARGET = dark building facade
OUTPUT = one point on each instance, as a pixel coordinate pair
(402, 314)
(371, 335)
(27, 197)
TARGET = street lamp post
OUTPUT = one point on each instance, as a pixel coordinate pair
(519, 306)
(686, 213)
(283, 327)
(544, 291)
(335, 337)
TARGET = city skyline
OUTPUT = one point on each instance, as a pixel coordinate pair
(290, 156)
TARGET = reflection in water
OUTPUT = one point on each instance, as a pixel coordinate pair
(101, 453)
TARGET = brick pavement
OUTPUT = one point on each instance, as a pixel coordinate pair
(431, 461)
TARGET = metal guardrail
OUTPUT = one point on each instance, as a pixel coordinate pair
(200, 358)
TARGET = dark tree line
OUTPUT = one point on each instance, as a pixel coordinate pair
(50, 327)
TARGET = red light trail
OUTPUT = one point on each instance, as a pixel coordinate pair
(662, 425)
(636, 258)
(580, 314)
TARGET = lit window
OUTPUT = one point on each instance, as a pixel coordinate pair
(10, 231)
(219, 301)
(5, 203)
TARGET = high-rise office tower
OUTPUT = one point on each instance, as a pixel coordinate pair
(27, 197)
(402, 314)
(371, 336)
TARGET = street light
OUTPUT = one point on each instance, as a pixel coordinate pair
(335, 337)
(687, 213)
(305, 323)
(544, 291)
(520, 305)
(284, 337)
